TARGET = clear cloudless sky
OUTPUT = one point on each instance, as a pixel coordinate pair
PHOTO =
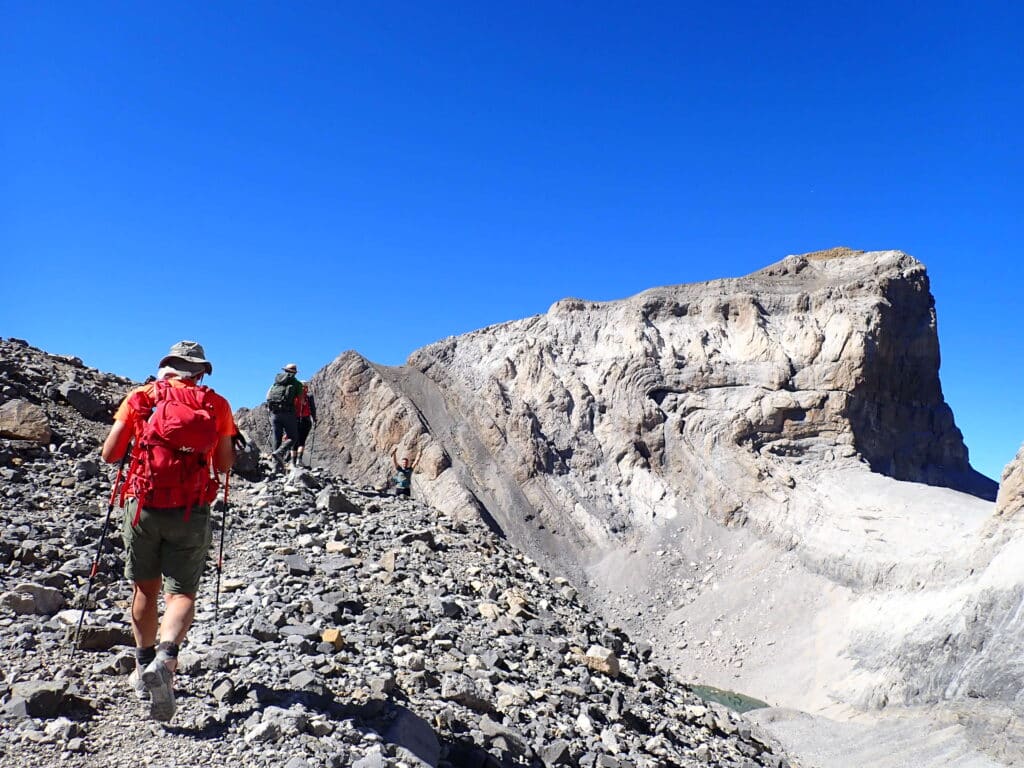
(286, 181)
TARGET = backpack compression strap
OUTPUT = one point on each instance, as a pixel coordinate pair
(140, 402)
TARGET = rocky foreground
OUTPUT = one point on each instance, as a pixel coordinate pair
(353, 629)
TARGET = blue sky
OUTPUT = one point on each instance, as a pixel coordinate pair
(284, 182)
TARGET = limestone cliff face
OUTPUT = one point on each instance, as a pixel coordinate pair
(597, 419)
(762, 467)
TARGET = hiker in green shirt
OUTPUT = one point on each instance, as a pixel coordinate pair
(403, 473)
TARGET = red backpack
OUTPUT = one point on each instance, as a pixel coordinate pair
(302, 409)
(170, 461)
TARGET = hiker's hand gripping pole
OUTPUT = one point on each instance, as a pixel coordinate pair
(99, 546)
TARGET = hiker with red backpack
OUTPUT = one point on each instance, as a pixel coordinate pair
(305, 413)
(182, 435)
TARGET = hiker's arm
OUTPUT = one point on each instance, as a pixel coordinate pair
(125, 421)
(394, 458)
(116, 443)
(224, 451)
(224, 454)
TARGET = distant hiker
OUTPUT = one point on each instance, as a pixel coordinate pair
(281, 402)
(403, 473)
(305, 413)
(182, 434)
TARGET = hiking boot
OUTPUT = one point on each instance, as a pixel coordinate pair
(159, 680)
(138, 687)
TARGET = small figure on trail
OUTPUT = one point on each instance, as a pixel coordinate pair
(305, 413)
(403, 473)
(281, 403)
(182, 434)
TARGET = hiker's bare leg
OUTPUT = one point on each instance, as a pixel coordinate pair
(178, 615)
(145, 597)
(158, 676)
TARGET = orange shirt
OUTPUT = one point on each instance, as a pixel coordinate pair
(222, 415)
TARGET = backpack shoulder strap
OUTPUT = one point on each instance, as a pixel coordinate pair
(160, 390)
(143, 400)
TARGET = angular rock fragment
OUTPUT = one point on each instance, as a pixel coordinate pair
(602, 660)
(22, 420)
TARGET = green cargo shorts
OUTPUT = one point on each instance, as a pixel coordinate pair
(165, 544)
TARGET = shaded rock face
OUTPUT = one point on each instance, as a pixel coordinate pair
(596, 419)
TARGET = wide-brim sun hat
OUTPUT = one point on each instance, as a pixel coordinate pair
(291, 368)
(189, 351)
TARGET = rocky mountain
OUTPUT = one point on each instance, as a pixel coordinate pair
(616, 415)
(757, 479)
(761, 474)
(353, 628)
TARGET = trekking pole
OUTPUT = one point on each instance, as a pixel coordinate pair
(220, 554)
(99, 547)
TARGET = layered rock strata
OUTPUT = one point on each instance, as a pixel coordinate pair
(596, 420)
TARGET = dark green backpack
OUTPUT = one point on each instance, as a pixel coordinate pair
(279, 396)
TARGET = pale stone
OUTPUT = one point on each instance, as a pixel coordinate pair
(333, 637)
(489, 611)
(22, 420)
(602, 660)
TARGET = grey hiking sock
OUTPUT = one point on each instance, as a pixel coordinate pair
(144, 655)
(168, 650)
